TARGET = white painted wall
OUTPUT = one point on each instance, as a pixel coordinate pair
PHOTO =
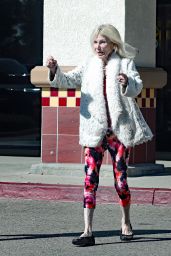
(69, 23)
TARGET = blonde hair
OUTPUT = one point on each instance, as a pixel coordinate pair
(112, 34)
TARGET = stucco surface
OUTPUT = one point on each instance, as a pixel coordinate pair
(69, 23)
(140, 29)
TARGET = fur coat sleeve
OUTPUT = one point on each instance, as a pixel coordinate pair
(134, 81)
(71, 79)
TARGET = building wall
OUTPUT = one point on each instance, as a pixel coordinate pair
(140, 29)
(60, 127)
(67, 28)
(69, 23)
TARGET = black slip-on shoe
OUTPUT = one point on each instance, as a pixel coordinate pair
(84, 241)
(124, 237)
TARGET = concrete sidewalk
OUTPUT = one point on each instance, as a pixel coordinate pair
(30, 170)
(26, 177)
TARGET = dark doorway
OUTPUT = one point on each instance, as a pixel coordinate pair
(21, 48)
(163, 59)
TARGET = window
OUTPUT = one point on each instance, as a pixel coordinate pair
(21, 48)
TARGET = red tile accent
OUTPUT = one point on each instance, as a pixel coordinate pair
(131, 158)
(139, 95)
(82, 156)
(152, 103)
(49, 120)
(78, 102)
(151, 145)
(143, 111)
(49, 148)
(68, 120)
(54, 92)
(71, 93)
(69, 150)
(143, 103)
(147, 92)
(151, 118)
(146, 151)
(140, 153)
(45, 101)
(62, 102)
(151, 151)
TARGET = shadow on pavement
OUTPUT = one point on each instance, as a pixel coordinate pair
(106, 233)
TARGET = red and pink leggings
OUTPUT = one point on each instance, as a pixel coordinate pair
(93, 160)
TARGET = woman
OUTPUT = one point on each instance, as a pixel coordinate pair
(109, 118)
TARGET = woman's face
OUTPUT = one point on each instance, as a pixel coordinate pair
(103, 47)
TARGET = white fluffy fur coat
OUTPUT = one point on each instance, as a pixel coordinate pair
(127, 121)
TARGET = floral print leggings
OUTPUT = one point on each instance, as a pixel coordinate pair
(93, 160)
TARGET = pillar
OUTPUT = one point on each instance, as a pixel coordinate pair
(67, 28)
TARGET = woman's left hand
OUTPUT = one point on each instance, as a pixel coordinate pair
(122, 79)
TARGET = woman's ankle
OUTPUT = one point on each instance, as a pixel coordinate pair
(86, 234)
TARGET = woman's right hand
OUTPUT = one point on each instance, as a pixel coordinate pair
(51, 63)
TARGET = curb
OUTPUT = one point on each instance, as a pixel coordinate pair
(134, 170)
(105, 194)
